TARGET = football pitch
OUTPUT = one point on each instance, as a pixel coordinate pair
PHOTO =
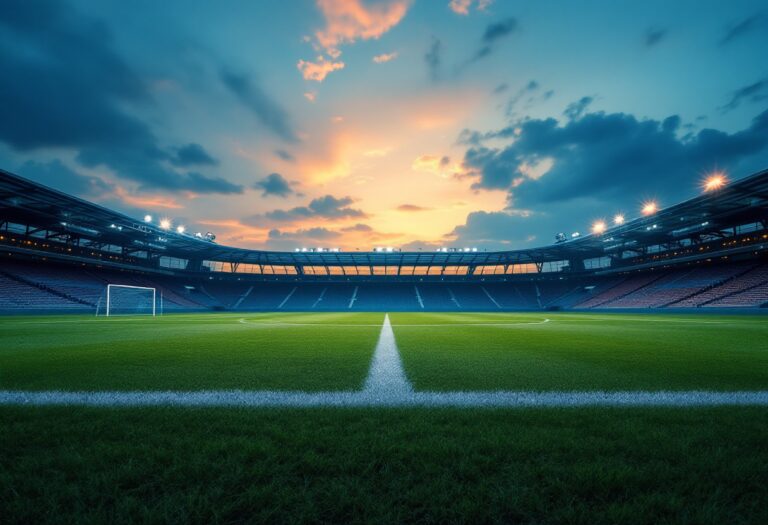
(372, 417)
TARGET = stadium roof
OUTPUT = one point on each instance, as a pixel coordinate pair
(26, 202)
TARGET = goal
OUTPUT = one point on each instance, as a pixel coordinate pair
(122, 299)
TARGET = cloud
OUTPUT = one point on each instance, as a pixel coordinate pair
(754, 92)
(326, 207)
(611, 156)
(433, 59)
(317, 71)
(274, 184)
(501, 88)
(266, 110)
(527, 95)
(494, 33)
(654, 36)
(385, 57)
(462, 7)
(431, 164)
(314, 234)
(285, 155)
(359, 227)
(311, 96)
(498, 229)
(743, 27)
(577, 109)
(57, 175)
(72, 90)
(192, 155)
(408, 208)
(349, 20)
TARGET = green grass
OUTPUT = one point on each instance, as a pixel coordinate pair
(186, 352)
(538, 466)
(584, 351)
(332, 351)
(586, 466)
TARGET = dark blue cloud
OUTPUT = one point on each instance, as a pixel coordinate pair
(71, 89)
(433, 58)
(493, 33)
(274, 184)
(755, 92)
(576, 109)
(285, 155)
(654, 36)
(496, 230)
(315, 234)
(326, 207)
(192, 155)
(57, 175)
(612, 156)
(266, 110)
(744, 27)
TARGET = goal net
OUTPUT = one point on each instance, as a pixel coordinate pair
(121, 299)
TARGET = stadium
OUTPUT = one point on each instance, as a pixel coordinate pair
(61, 254)
(383, 261)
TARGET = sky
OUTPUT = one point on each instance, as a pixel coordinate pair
(354, 124)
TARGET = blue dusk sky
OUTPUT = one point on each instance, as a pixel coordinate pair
(353, 124)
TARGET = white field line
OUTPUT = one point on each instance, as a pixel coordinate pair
(479, 399)
(386, 377)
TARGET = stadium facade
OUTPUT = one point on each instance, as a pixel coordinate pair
(58, 253)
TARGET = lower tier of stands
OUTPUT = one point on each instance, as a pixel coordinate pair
(44, 287)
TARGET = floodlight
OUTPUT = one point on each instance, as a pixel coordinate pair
(650, 207)
(618, 219)
(575, 234)
(598, 227)
(180, 229)
(165, 224)
(715, 181)
(147, 218)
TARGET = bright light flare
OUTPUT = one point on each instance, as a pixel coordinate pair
(147, 218)
(598, 227)
(180, 229)
(650, 207)
(618, 219)
(715, 181)
(165, 224)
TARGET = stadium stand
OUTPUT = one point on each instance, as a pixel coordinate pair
(58, 254)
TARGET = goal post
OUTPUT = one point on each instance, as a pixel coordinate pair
(123, 299)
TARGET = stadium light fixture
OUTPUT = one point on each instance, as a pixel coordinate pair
(165, 224)
(147, 218)
(618, 219)
(650, 207)
(575, 234)
(715, 181)
(180, 229)
(598, 227)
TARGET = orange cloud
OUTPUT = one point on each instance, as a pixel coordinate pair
(317, 71)
(350, 20)
(385, 57)
(148, 201)
(461, 7)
